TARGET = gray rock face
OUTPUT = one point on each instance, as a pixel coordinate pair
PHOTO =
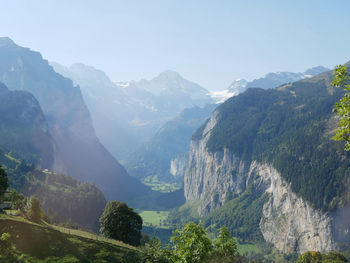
(287, 221)
(178, 166)
(209, 177)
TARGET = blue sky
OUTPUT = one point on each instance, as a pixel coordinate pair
(208, 42)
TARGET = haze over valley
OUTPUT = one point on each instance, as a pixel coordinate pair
(133, 132)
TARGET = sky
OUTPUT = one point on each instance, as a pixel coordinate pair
(208, 42)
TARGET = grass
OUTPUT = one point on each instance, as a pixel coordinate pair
(11, 212)
(91, 236)
(64, 230)
(154, 218)
(8, 156)
(160, 186)
(46, 243)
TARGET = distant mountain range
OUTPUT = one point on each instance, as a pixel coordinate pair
(125, 115)
(164, 159)
(269, 81)
(76, 150)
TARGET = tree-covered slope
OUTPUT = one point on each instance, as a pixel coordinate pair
(62, 197)
(291, 128)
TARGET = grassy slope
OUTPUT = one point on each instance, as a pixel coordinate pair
(154, 218)
(44, 243)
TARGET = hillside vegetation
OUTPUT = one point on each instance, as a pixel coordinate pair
(42, 243)
(62, 197)
(290, 127)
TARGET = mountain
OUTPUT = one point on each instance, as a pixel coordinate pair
(125, 115)
(23, 129)
(163, 159)
(69, 123)
(273, 80)
(265, 166)
(238, 86)
(109, 107)
(269, 81)
(26, 146)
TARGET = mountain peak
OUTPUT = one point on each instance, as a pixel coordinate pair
(315, 70)
(170, 74)
(6, 41)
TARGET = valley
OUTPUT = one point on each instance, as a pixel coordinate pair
(174, 132)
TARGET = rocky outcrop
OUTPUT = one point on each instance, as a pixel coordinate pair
(287, 221)
(178, 166)
(209, 177)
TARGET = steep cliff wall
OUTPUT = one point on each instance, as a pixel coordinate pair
(178, 166)
(287, 221)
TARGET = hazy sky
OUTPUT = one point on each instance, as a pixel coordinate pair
(208, 42)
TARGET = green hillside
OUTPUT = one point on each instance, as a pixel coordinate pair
(42, 243)
(62, 197)
(290, 127)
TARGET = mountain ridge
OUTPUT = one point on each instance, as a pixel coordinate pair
(69, 122)
(275, 142)
(128, 114)
(269, 81)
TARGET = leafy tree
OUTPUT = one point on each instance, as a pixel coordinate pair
(225, 246)
(310, 257)
(342, 108)
(120, 222)
(18, 200)
(191, 244)
(33, 210)
(317, 257)
(154, 252)
(3, 181)
(334, 257)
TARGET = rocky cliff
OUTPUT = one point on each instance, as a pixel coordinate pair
(287, 221)
(178, 166)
